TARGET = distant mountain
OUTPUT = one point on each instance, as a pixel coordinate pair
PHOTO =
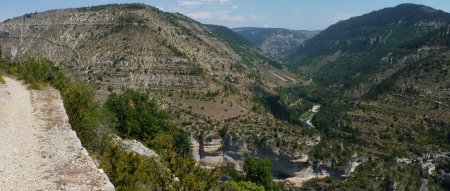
(275, 42)
(242, 46)
(230, 34)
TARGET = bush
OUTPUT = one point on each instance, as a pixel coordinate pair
(138, 116)
(259, 172)
(2, 81)
(83, 111)
(243, 186)
(38, 70)
(35, 86)
(181, 142)
(129, 171)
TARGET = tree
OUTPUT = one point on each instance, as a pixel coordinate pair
(259, 172)
(448, 137)
(138, 116)
(181, 142)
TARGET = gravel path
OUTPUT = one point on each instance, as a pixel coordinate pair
(38, 149)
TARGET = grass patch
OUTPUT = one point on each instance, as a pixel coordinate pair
(37, 86)
(2, 81)
(34, 86)
(307, 115)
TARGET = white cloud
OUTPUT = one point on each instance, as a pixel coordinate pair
(192, 3)
(221, 16)
(200, 15)
(226, 16)
(187, 3)
(224, 1)
(266, 26)
(217, 10)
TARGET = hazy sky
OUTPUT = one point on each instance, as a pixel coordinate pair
(293, 14)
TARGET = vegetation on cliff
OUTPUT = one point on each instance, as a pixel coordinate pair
(134, 114)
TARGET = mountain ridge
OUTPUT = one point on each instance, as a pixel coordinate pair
(276, 42)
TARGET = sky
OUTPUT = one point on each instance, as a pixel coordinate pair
(291, 14)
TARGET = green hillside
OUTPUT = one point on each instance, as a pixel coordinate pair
(382, 81)
(350, 51)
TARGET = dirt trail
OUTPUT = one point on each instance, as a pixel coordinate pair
(38, 149)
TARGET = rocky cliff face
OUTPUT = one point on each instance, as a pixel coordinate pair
(275, 42)
(137, 46)
(286, 146)
(144, 46)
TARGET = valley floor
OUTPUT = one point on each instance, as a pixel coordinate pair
(38, 149)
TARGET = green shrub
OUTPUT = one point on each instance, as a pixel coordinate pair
(2, 81)
(37, 70)
(181, 142)
(242, 186)
(60, 82)
(129, 171)
(138, 116)
(259, 172)
(83, 111)
(35, 86)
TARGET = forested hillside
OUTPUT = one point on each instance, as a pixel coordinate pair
(382, 81)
